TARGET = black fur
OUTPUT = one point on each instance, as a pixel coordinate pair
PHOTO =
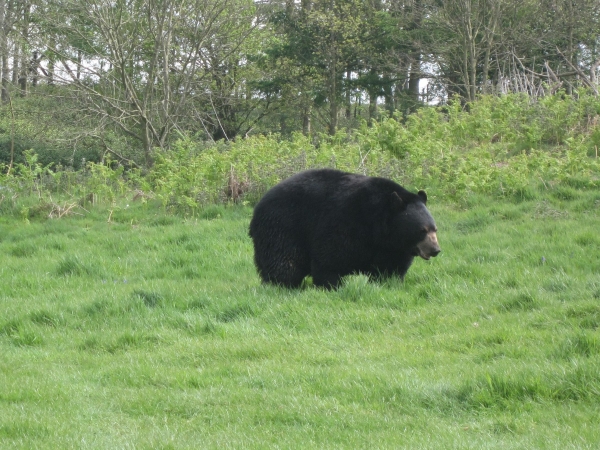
(327, 223)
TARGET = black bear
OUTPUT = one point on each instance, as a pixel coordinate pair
(327, 223)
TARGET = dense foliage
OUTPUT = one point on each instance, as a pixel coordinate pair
(500, 146)
(129, 77)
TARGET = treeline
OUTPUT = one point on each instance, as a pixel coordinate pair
(82, 79)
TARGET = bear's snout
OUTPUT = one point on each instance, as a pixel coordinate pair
(436, 252)
(429, 246)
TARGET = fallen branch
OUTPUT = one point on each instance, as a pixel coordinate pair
(58, 211)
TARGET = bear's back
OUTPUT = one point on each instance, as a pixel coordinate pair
(318, 198)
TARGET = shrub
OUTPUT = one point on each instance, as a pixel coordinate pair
(499, 146)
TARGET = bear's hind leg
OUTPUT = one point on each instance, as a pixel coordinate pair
(287, 269)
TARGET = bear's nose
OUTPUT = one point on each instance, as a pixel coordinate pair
(436, 252)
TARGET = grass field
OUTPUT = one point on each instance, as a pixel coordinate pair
(153, 332)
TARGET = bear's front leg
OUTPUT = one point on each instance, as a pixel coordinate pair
(323, 277)
(327, 281)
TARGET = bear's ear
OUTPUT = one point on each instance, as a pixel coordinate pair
(423, 196)
(397, 203)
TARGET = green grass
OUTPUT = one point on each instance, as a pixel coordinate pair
(153, 331)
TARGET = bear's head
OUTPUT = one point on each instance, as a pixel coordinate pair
(412, 225)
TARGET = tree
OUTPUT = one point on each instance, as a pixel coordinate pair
(565, 42)
(467, 31)
(146, 63)
(8, 19)
(322, 39)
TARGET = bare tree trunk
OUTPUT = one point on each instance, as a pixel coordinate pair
(570, 49)
(306, 121)
(23, 77)
(473, 75)
(348, 96)
(51, 61)
(25, 65)
(372, 107)
(471, 48)
(5, 77)
(486, 68)
(3, 39)
(15, 67)
(334, 105)
(465, 71)
(593, 69)
(4, 15)
(415, 61)
(333, 113)
(333, 87)
(148, 146)
(306, 6)
(388, 95)
(490, 34)
(79, 57)
(414, 80)
(35, 62)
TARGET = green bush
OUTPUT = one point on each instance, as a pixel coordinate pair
(498, 146)
(243, 170)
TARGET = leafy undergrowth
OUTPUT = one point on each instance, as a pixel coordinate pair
(502, 147)
(133, 329)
